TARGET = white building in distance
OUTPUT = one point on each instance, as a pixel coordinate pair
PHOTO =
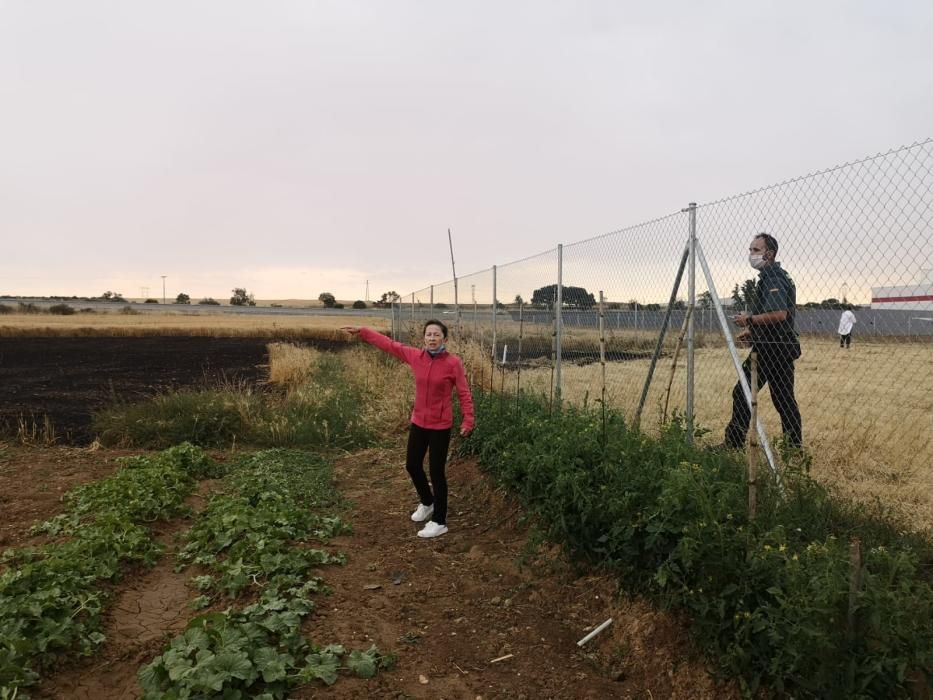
(916, 297)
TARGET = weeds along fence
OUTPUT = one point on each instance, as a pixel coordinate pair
(591, 321)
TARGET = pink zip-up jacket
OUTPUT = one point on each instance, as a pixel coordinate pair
(435, 379)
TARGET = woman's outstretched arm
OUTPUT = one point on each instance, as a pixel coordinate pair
(403, 352)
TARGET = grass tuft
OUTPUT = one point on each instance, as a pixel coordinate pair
(324, 411)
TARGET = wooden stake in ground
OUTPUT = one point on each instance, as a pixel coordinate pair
(521, 328)
(753, 441)
(670, 379)
(855, 585)
(553, 357)
(602, 359)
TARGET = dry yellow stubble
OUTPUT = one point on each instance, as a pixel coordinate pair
(291, 365)
(207, 324)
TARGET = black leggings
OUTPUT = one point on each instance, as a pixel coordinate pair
(419, 441)
(845, 340)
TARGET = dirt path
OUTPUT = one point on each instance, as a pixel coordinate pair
(452, 605)
(150, 607)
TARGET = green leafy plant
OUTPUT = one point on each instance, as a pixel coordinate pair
(324, 413)
(254, 541)
(51, 600)
(769, 598)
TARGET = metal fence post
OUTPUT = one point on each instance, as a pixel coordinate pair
(494, 314)
(558, 322)
(691, 326)
(432, 302)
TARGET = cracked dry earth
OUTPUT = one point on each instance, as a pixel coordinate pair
(148, 609)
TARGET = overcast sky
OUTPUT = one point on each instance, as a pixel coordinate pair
(300, 147)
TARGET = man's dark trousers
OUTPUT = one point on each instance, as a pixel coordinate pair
(776, 369)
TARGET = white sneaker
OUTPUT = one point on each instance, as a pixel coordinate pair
(432, 529)
(422, 513)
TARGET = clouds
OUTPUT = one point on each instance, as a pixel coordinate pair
(220, 136)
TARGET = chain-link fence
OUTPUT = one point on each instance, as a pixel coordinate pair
(592, 321)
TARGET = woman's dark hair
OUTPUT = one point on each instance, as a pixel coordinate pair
(770, 242)
(435, 322)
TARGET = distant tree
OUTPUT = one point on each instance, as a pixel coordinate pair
(679, 305)
(651, 307)
(359, 304)
(633, 304)
(705, 300)
(518, 300)
(327, 299)
(572, 297)
(744, 295)
(832, 303)
(386, 300)
(112, 296)
(209, 301)
(151, 301)
(182, 299)
(242, 298)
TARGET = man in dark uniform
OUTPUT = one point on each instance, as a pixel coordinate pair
(769, 327)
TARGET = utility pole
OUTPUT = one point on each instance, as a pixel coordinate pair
(367, 291)
(163, 288)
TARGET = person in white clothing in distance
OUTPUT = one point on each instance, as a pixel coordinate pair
(846, 322)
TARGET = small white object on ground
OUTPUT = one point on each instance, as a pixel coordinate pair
(594, 632)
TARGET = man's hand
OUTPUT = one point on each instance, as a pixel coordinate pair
(352, 330)
(744, 338)
(742, 320)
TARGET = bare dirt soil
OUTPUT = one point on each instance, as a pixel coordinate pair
(482, 612)
(447, 607)
(33, 481)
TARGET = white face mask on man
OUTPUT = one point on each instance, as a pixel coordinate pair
(757, 261)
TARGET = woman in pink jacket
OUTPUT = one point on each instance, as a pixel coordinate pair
(437, 373)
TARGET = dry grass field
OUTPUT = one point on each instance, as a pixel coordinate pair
(227, 324)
